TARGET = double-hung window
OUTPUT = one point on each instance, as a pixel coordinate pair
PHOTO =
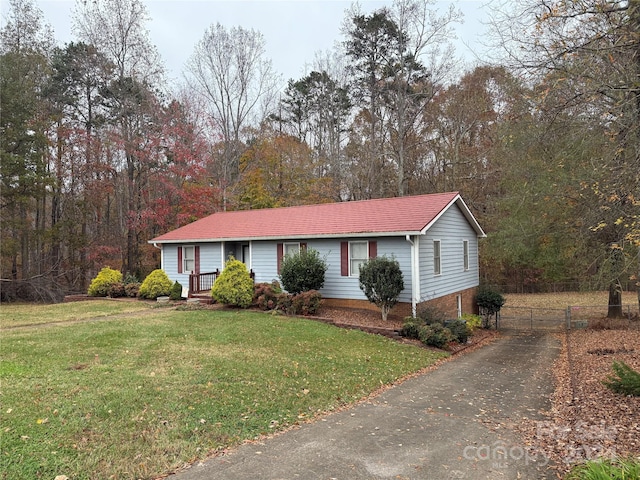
(291, 248)
(437, 267)
(358, 254)
(188, 259)
(465, 254)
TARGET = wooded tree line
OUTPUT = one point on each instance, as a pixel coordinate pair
(98, 156)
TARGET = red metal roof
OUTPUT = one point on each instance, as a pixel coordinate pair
(386, 216)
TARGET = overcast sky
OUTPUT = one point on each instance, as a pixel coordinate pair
(294, 30)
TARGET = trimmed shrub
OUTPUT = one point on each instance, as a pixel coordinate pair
(265, 295)
(102, 283)
(410, 329)
(117, 290)
(306, 303)
(132, 289)
(428, 315)
(489, 302)
(381, 281)
(473, 321)
(624, 380)
(157, 284)
(435, 335)
(459, 330)
(234, 286)
(303, 271)
(285, 303)
(176, 291)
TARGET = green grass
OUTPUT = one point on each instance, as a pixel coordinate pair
(138, 397)
(618, 469)
(21, 314)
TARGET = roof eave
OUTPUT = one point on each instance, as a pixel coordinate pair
(288, 237)
(465, 211)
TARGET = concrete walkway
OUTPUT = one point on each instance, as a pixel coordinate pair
(451, 423)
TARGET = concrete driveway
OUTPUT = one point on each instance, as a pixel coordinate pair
(450, 423)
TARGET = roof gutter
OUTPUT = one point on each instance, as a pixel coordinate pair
(287, 237)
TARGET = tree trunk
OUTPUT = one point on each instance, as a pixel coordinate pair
(615, 300)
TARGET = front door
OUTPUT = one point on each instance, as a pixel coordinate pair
(246, 255)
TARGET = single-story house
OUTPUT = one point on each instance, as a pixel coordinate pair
(433, 237)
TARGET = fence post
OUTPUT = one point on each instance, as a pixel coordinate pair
(531, 319)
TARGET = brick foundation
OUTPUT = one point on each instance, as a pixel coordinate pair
(401, 309)
(447, 304)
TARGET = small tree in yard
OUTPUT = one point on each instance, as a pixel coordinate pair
(489, 302)
(381, 281)
(303, 271)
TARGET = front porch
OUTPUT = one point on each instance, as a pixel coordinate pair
(200, 284)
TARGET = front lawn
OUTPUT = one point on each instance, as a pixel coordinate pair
(22, 314)
(137, 397)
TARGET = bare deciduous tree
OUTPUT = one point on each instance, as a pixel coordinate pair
(229, 69)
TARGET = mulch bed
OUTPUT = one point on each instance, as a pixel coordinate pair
(371, 321)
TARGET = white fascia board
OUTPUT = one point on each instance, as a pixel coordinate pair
(465, 211)
(292, 237)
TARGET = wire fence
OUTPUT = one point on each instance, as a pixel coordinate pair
(558, 319)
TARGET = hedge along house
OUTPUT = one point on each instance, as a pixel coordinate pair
(433, 237)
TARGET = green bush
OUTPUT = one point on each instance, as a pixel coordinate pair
(303, 271)
(489, 302)
(428, 314)
(157, 284)
(176, 291)
(435, 335)
(473, 321)
(624, 380)
(234, 286)
(410, 329)
(381, 281)
(606, 469)
(130, 278)
(265, 295)
(459, 330)
(101, 284)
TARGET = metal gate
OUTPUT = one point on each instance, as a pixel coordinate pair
(533, 319)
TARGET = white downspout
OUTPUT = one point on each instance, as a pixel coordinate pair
(415, 275)
(161, 255)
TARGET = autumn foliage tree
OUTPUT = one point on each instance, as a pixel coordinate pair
(585, 55)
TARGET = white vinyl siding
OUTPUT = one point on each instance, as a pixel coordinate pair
(264, 265)
(451, 229)
(210, 260)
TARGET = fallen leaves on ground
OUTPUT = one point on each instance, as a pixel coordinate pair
(587, 420)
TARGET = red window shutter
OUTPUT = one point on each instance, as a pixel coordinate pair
(373, 249)
(179, 259)
(279, 254)
(196, 254)
(344, 259)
